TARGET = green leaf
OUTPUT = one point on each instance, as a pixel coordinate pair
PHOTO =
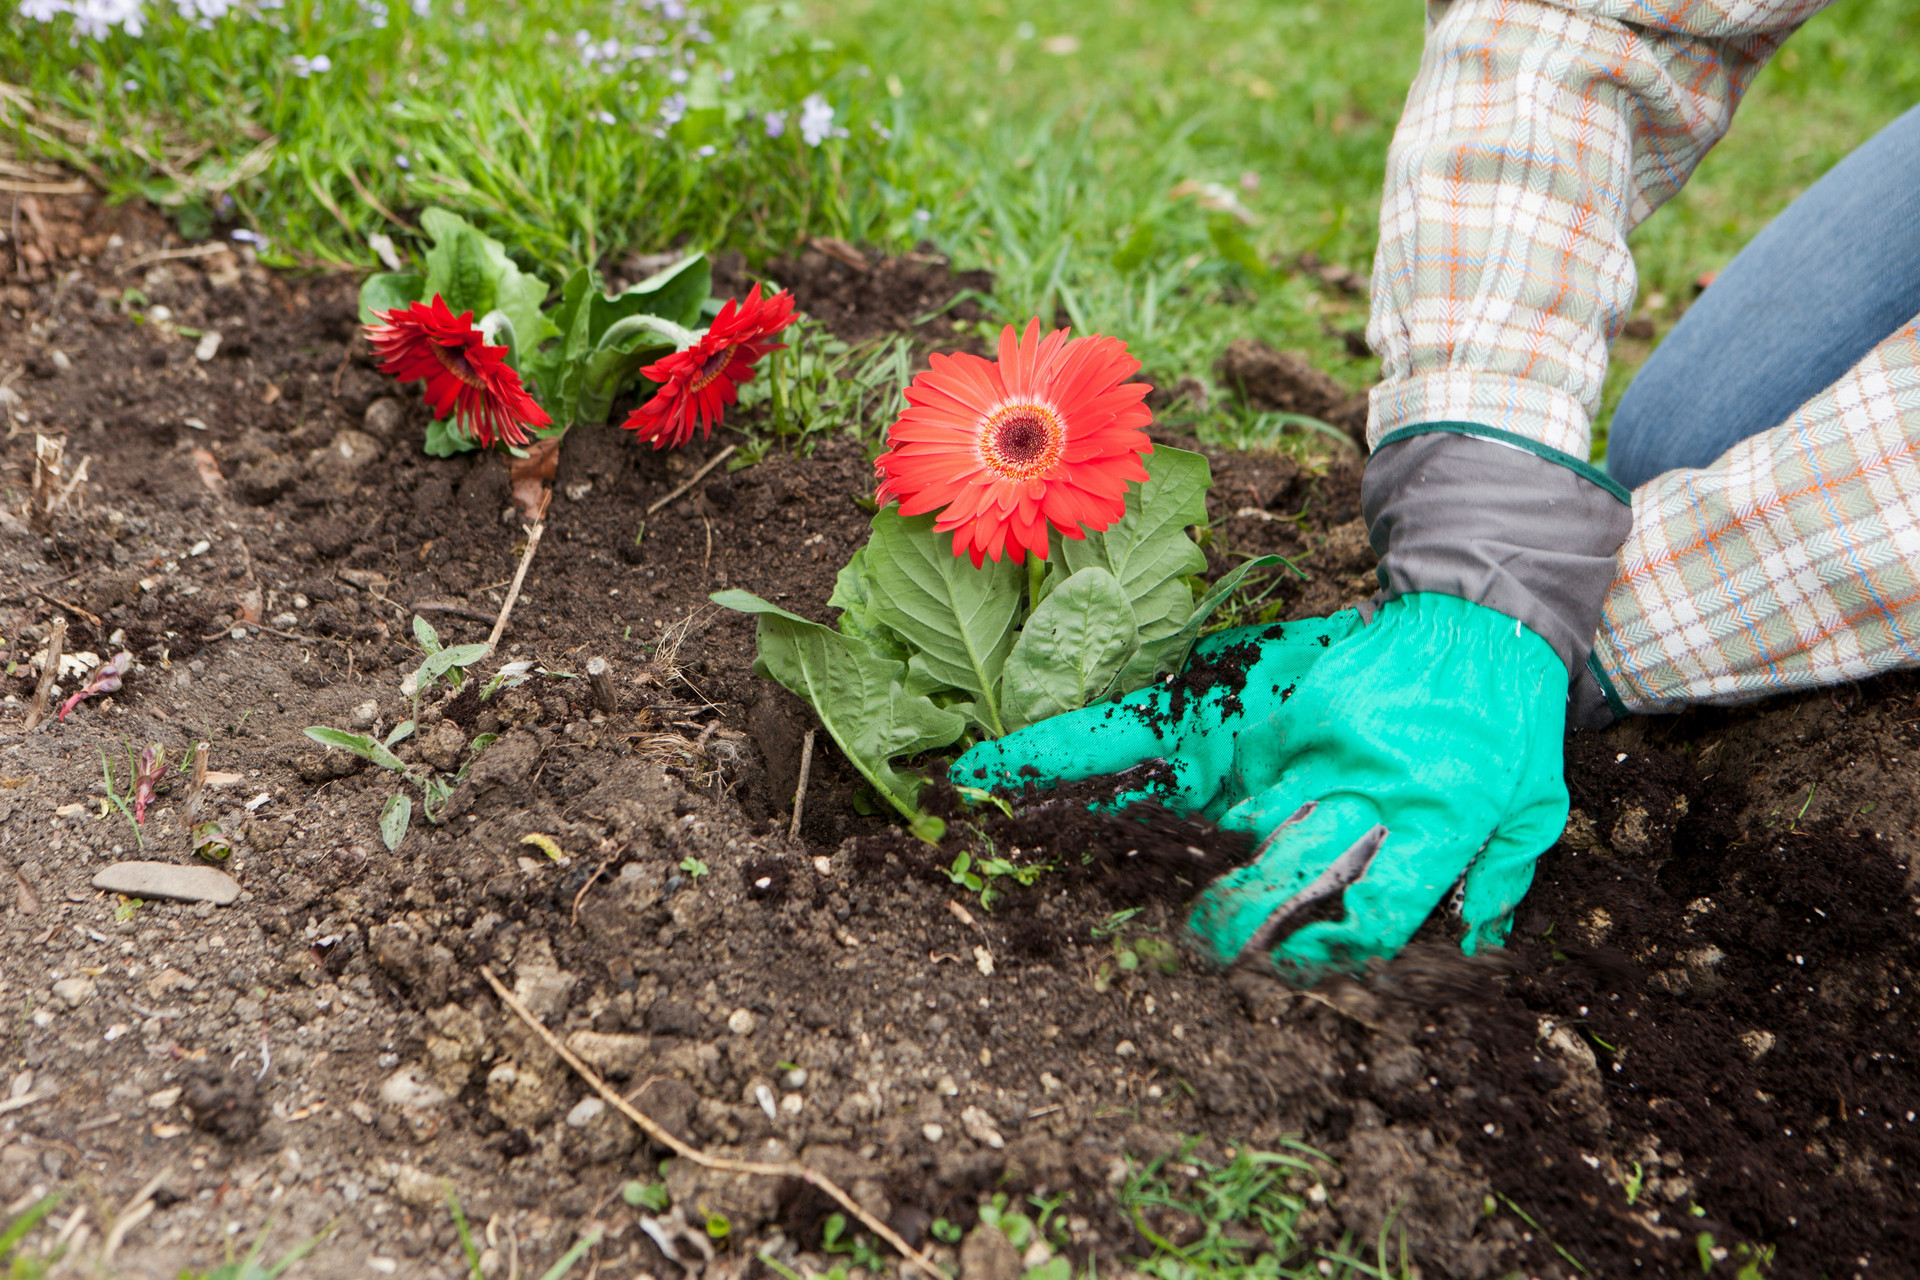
(627, 346)
(1169, 653)
(445, 438)
(424, 632)
(358, 743)
(1070, 649)
(472, 272)
(858, 694)
(437, 664)
(383, 291)
(676, 292)
(1148, 549)
(853, 595)
(958, 619)
(401, 732)
(395, 818)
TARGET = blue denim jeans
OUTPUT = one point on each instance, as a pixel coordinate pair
(1815, 291)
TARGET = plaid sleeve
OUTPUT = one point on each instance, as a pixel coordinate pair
(1792, 562)
(1536, 135)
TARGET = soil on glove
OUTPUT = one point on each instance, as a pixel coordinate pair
(1705, 1023)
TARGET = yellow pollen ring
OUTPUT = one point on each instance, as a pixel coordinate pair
(1022, 441)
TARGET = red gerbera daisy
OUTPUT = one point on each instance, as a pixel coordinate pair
(1049, 435)
(697, 385)
(426, 342)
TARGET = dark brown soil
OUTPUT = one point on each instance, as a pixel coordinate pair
(1708, 984)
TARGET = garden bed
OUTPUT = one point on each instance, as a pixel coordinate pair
(1703, 1026)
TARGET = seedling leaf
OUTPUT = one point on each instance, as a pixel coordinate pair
(395, 818)
(358, 743)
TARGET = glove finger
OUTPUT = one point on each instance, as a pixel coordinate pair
(1095, 742)
(1312, 837)
(1406, 880)
(1499, 877)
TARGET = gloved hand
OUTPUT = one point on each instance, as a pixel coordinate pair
(1423, 749)
(1380, 766)
(1210, 724)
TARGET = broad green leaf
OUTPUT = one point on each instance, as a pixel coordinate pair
(1070, 649)
(358, 743)
(959, 619)
(424, 632)
(472, 272)
(386, 292)
(547, 365)
(395, 818)
(857, 693)
(853, 596)
(628, 346)
(445, 439)
(1169, 653)
(676, 292)
(1148, 549)
(401, 732)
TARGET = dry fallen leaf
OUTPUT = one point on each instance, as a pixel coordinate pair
(530, 476)
(209, 468)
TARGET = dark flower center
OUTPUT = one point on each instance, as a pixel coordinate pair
(713, 366)
(455, 360)
(1022, 441)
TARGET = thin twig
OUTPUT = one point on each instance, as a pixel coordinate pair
(534, 530)
(581, 896)
(800, 792)
(652, 1128)
(56, 601)
(698, 476)
(56, 642)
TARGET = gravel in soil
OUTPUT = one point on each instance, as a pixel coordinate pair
(1703, 1025)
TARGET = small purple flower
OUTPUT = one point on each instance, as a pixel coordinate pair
(776, 122)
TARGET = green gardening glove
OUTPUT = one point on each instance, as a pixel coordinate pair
(1423, 752)
(1209, 725)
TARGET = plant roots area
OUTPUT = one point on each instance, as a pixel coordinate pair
(1698, 1051)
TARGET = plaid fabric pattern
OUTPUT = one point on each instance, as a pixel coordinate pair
(1537, 134)
(1792, 562)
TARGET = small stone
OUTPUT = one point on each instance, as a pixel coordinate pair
(585, 1112)
(987, 1254)
(792, 1103)
(979, 1127)
(1758, 1043)
(165, 1098)
(610, 1054)
(932, 1132)
(384, 416)
(796, 1078)
(742, 1022)
(208, 346)
(410, 1088)
(1124, 1049)
(73, 992)
(365, 714)
(168, 880)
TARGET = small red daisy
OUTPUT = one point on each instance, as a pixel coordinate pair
(697, 385)
(1050, 434)
(425, 342)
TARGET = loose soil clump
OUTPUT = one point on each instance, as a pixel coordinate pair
(1705, 1022)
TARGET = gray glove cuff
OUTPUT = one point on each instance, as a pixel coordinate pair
(1527, 532)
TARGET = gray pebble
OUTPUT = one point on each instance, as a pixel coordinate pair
(168, 880)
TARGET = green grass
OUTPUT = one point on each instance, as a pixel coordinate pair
(1045, 140)
(1240, 1221)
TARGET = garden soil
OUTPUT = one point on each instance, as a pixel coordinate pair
(1701, 1042)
